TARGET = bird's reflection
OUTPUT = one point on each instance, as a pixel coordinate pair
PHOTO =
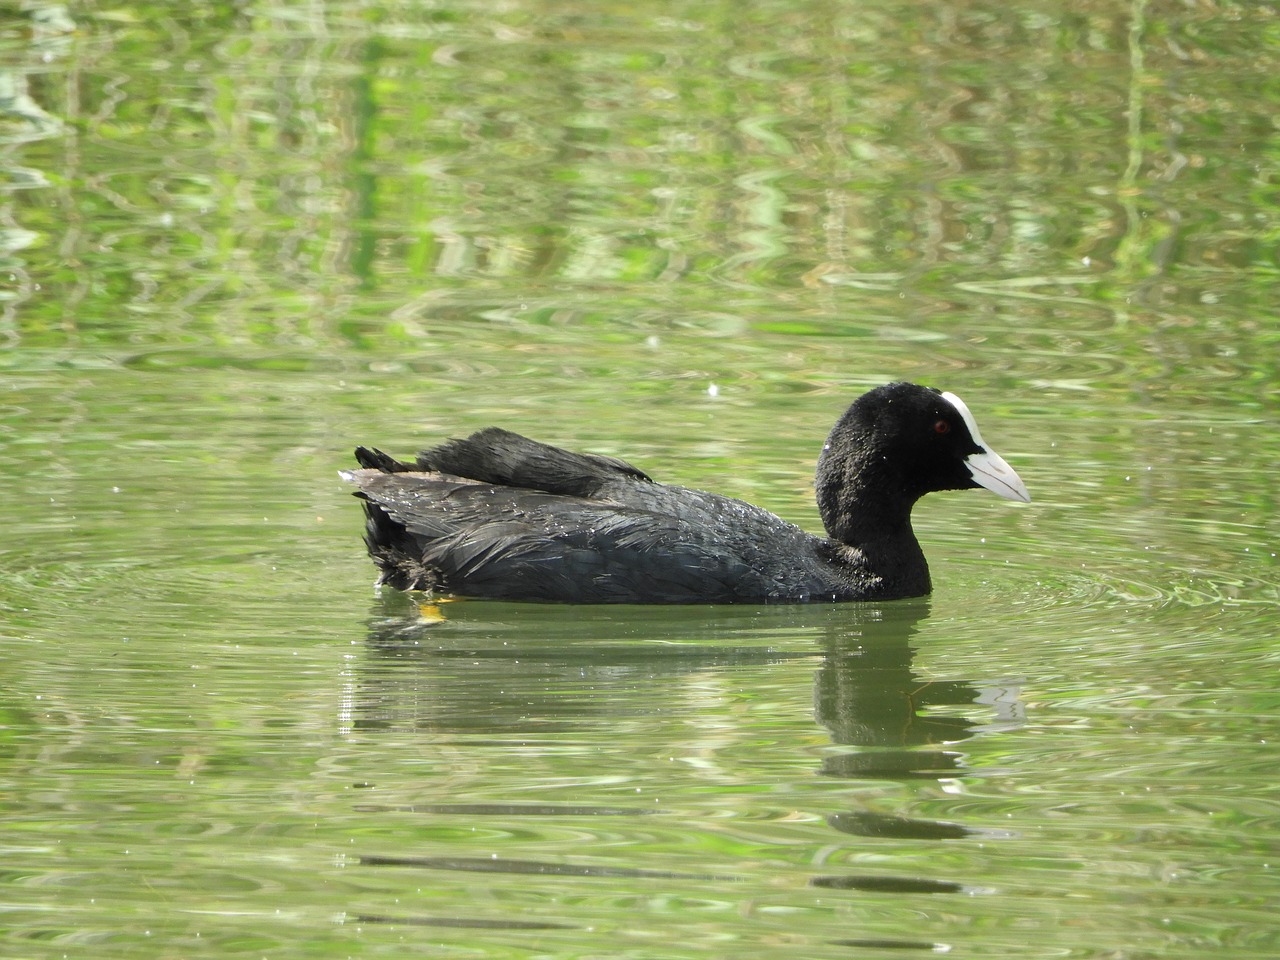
(488, 672)
(866, 695)
(499, 667)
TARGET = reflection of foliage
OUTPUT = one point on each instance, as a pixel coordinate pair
(21, 118)
(38, 39)
(233, 167)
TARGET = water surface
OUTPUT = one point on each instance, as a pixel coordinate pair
(238, 240)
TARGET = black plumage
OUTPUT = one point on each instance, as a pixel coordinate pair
(499, 515)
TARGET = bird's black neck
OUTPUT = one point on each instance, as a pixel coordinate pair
(868, 511)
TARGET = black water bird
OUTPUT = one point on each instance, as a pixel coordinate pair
(501, 516)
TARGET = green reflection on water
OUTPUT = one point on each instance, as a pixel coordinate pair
(237, 240)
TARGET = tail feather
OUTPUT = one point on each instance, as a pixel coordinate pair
(507, 459)
(476, 512)
(374, 459)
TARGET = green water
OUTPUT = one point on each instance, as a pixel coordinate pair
(238, 239)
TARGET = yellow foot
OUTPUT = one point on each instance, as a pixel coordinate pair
(430, 612)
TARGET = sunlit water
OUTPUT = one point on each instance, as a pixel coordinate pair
(238, 244)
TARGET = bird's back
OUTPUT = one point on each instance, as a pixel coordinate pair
(498, 515)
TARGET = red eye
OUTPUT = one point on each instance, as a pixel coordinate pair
(941, 427)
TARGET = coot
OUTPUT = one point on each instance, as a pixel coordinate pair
(498, 515)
